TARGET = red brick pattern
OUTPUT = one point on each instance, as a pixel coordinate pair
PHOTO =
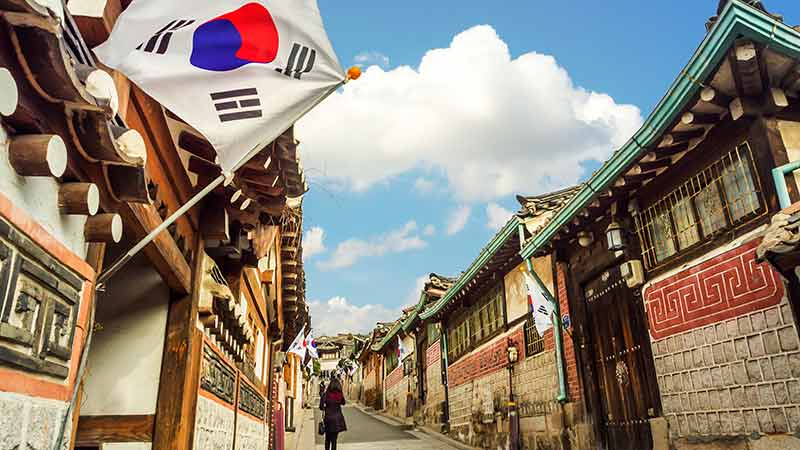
(571, 366)
(394, 377)
(727, 286)
(488, 359)
(433, 354)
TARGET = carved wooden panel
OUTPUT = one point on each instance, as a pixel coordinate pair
(40, 300)
(723, 287)
(251, 401)
(217, 377)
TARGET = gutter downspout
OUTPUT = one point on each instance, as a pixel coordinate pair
(444, 375)
(779, 178)
(557, 325)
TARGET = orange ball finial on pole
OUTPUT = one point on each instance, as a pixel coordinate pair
(353, 73)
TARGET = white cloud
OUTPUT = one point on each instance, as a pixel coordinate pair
(372, 57)
(458, 219)
(492, 124)
(424, 185)
(338, 315)
(350, 251)
(413, 297)
(496, 216)
(313, 243)
(429, 230)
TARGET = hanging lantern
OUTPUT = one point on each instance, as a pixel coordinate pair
(614, 236)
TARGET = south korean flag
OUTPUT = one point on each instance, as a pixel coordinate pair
(240, 72)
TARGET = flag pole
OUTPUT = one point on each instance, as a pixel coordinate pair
(118, 264)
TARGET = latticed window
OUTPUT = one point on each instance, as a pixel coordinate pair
(721, 196)
(534, 342)
(479, 323)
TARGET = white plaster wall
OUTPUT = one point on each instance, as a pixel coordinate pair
(517, 292)
(38, 197)
(125, 357)
(790, 132)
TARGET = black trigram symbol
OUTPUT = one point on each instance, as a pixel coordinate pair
(163, 36)
(542, 310)
(301, 60)
(237, 104)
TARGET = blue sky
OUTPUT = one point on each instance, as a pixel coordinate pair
(384, 169)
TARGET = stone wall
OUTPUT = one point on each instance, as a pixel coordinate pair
(728, 365)
(396, 392)
(250, 434)
(214, 425)
(31, 423)
(434, 396)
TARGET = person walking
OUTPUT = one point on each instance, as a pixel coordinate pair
(331, 403)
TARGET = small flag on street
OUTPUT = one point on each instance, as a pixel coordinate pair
(240, 72)
(298, 347)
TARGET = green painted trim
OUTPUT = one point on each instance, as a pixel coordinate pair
(392, 333)
(486, 254)
(738, 20)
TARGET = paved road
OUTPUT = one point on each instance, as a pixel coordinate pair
(365, 432)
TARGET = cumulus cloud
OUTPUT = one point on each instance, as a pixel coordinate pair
(372, 57)
(338, 315)
(492, 124)
(313, 243)
(350, 251)
(413, 296)
(496, 216)
(458, 219)
(429, 230)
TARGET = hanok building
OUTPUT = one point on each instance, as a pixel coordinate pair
(430, 401)
(493, 355)
(182, 347)
(372, 366)
(683, 339)
(400, 375)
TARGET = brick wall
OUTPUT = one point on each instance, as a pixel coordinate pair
(485, 360)
(394, 377)
(431, 410)
(727, 365)
(396, 394)
(433, 354)
(570, 362)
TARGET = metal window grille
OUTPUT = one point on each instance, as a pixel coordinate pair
(477, 324)
(534, 343)
(721, 196)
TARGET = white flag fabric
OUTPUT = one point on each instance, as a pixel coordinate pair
(401, 350)
(298, 347)
(311, 345)
(541, 308)
(240, 72)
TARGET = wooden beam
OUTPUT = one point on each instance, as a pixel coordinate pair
(197, 146)
(93, 430)
(638, 178)
(791, 78)
(677, 137)
(694, 118)
(655, 164)
(715, 97)
(670, 150)
(201, 166)
(180, 368)
(746, 65)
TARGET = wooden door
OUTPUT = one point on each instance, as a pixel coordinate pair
(623, 363)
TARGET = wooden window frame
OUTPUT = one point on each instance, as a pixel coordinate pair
(461, 339)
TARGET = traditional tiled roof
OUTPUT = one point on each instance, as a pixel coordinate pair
(781, 243)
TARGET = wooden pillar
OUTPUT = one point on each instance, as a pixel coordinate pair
(180, 368)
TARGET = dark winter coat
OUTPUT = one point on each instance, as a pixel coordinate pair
(332, 403)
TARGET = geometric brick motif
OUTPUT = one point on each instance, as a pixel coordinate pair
(720, 288)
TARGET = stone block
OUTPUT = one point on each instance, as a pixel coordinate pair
(691, 420)
(744, 325)
(758, 321)
(751, 395)
(781, 393)
(708, 355)
(750, 422)
(794, 364)
(697, 356)
(714, 425)
(779, 420)
(772, 317)
(718, 353)
(702, 424)
(793, 417)
(725, 422)
(660, 432)
(727, 376)
(11, 411)
(725, 400)
(683, 422)
(710, 334)
(786, 314)
(730, 351)
(753, 371)
(669, 364)
(766, 395)
(766, 369)
(794, 390)
(713, 400)
(739, 400)
(756, 345)
(780, 367)
(699, 337)
(788, 338)
(679, 362)
(722, 332)
(765, 421)
(716, 377)
(741, 348)
(732, 328)
(771, 345)
(776, 442)
(737, 421)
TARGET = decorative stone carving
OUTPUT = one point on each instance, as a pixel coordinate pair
(217, 377)
(40, 300)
